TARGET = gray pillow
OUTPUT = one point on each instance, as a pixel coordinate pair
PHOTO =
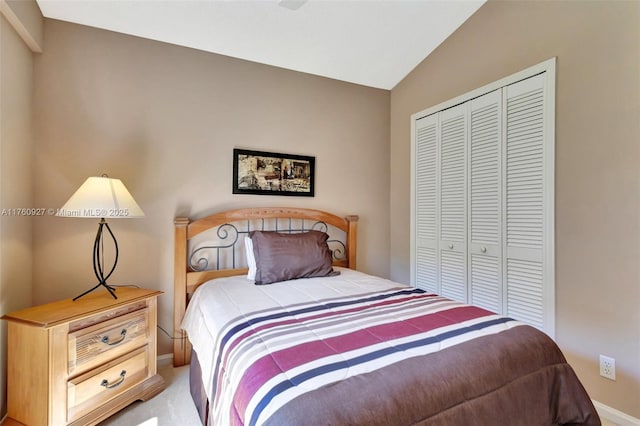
(282, 257)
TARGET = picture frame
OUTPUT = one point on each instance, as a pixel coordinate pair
(272, 173)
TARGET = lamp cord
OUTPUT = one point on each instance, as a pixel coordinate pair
(168, 335)
(157, 325)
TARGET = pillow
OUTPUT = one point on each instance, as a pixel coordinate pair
(282, 257)
(251, 260)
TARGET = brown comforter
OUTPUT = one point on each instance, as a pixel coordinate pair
(516, 377)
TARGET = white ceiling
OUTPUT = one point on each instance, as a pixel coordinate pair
(374, 43)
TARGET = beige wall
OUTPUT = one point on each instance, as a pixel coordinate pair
(26, 19)
(597, 45)
(165, 120)
(16, 84)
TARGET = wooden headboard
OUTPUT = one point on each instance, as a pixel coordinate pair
(192, 267)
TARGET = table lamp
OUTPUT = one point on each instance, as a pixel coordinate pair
(104, 198)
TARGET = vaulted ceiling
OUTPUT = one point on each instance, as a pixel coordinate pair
(374, 43)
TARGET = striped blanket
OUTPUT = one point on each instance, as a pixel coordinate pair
(262, 360)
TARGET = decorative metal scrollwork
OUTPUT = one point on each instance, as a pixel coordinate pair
(320, 226)
(340, 252)
(229, 234)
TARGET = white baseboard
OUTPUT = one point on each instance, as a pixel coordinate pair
(615, 416)
(165, 360)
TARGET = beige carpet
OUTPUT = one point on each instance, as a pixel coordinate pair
(173, 406)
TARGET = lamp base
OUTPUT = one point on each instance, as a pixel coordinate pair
(98, 261)
(109, 288)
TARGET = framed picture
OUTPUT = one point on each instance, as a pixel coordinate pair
(270, 173)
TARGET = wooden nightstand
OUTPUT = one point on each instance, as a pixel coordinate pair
(77, 363)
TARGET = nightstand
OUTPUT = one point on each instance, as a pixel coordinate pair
(77, 363)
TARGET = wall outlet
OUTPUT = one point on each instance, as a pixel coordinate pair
(607, 367)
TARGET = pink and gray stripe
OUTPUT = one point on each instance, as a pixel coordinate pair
(265, 359)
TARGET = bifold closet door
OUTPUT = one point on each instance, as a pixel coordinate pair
(426, 220)
(485, 202)
(453, 134)
(527, 189)
(483, 197)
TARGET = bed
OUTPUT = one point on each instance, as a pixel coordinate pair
(310, 340)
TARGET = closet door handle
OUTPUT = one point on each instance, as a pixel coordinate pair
(483, 249)
(451, 246)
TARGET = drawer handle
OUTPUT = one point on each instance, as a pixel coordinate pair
(106, 341)
(118, 382)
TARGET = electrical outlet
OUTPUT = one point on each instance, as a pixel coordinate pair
(607, 367)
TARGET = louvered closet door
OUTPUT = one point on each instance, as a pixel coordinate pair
(426, 176)
(485, 227)
(453, 134)
(524, 206)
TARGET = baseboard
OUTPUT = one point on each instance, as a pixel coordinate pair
(165, 360)
(615, 416)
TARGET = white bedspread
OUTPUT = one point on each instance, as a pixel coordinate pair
(218, 301)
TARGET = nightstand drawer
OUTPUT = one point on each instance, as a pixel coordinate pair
(99, 343)
(95, 388)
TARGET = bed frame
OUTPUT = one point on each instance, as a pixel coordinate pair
(191, 266)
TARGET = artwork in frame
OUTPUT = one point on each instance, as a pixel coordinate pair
(270, 173)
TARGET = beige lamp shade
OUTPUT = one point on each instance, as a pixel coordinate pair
(101, 197)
